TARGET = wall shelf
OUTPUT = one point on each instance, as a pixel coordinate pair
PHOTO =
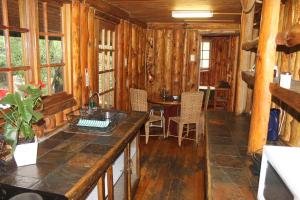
(250, 45)
(289, 38)
(248, 77)
(289, 96)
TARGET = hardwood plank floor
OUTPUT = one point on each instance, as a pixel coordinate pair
(171, 172)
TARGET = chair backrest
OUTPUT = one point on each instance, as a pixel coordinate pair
(138, 100)
(191, 105)
(207, 94)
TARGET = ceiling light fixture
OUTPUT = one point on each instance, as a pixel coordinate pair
(192, 13)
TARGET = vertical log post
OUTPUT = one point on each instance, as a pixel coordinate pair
(264, 75)
(241, 87)
(77, 77)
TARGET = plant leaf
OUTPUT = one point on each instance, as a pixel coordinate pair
(9, 99)
(27, 131)
(10, 135)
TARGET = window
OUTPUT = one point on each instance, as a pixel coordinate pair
(106, 67)
(13, 64)
(51, 47)
(204, 55)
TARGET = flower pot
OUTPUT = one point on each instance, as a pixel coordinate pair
(26, 154)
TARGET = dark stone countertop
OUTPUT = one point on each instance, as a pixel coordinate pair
(70, 163)
(228, 165)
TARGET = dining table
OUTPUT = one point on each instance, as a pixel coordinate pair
(171, 108)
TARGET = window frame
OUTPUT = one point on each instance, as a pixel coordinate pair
(48, 34)
(9, 69)
(107, 96)
(201, 55)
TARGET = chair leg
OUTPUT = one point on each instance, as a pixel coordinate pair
(147, 131)
(163, 121)
(168, 131)
(187, 129)
(180, 130)
(198, 128)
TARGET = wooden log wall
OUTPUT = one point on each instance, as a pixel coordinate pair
(130, 65)
(288, 60)
(223, 63)
(83, 51)
(168, 54)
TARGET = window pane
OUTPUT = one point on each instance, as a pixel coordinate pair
(205, 45)
(42, 44)
(111, 61)
(101, 61)
(18, 80)
(204, 63)
(44, 79)
(107, 61)
(57, 79)
(13, 13)
(2, 50)
(3, 84)
(111, 80)
(54, 17)
(16, 49)
(41, 17)
(55, 50)
(101, 83)
(205, 54)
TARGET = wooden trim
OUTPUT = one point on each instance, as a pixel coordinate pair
(105, 17)
(101, 188)
(51, 34)
(110, 183)
(53, 65)
(107, 91)
(127, 172)
(289, 96)
(14, 69)
(14, 28)
(106, 71)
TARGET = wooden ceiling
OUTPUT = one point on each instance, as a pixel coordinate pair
(149, 11)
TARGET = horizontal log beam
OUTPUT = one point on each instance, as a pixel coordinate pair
(198, 26)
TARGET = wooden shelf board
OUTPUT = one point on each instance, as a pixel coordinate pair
(248, 77)
(289, 96)
(250, 45)
(290, 38)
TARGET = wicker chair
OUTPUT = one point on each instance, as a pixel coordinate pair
(190, 113)
(138, 100)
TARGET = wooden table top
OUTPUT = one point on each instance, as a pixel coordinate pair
(158, 100)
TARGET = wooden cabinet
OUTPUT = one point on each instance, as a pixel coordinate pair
(121, 178)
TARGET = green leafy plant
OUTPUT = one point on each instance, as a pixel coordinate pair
(21, 114)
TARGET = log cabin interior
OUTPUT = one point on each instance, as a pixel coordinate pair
(142, 100)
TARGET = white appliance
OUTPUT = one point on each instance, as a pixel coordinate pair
(280, 173)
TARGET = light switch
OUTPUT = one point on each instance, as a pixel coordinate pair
(192, 58)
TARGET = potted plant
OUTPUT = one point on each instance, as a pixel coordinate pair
(19, 117)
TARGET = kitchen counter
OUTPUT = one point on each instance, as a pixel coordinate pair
(71, 163)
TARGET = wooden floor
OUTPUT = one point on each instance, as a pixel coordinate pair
(171, 172)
